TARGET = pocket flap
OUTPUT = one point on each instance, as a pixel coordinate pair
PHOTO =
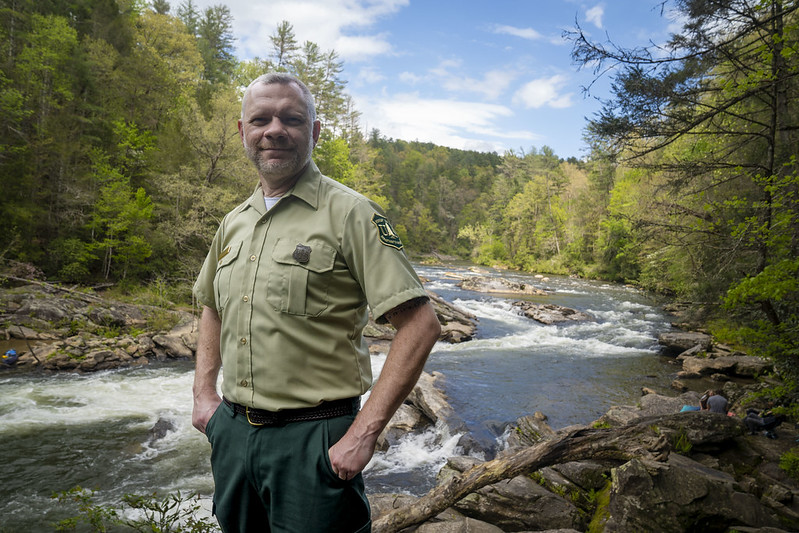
(315, 256)
(228, 255)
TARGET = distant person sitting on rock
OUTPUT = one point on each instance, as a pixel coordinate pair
(764, 421)
(703, 400)
(10, 357)
(716, 403)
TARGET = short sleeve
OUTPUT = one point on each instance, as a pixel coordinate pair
(204, 285)
(376, 258)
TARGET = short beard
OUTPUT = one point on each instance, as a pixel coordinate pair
(280, 169)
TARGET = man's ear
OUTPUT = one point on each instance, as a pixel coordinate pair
(317, 129)
(241, 133)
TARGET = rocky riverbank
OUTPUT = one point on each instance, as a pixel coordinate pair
(647, 467)
(58, 329)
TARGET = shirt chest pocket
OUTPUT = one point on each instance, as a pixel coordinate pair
(224, 274)
(300, 276)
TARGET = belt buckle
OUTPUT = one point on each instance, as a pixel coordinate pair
(247, 412)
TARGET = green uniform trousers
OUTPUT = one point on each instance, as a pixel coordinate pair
(278, 479)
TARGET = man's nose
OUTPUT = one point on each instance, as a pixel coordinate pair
(275, 129)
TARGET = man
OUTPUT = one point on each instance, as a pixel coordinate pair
(285, 289)
(716, 403)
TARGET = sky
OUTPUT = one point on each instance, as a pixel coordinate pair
(494, 75)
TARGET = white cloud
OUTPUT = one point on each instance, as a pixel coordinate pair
(458, 124)
(491, 86)
(368, 75)
(410, 78)
(524, 33)
(594, 15)
(340, 25)
(527, 33)
(544, 92)
(357, 48)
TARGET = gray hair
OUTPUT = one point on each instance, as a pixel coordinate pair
(282, 78)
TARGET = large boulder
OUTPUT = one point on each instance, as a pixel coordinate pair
(550, 313)
(518, 504)
(680, 495)
(499, 285)
(49, 309)
(676, 342)
(457, 325)
(733, 365)
(527, 431)
(174, 346)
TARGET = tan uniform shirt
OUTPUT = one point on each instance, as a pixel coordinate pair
(292, 285)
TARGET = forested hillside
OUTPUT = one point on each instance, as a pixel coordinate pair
(119, 155)
(120, 152)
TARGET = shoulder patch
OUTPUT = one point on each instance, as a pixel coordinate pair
(385, 232)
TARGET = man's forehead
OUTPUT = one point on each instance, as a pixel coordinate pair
(284, 96)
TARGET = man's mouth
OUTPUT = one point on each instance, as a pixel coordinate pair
(274, 148)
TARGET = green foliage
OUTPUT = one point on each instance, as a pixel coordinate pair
(602, 512)
(771, 300)
(174, 513)
(681, 443)
(776, 283)
(332, 156)
(99, 519)
(789, 462)
(784, 399)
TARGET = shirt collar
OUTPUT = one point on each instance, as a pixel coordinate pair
(306, 189)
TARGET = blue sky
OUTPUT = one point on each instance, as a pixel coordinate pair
(490, 75)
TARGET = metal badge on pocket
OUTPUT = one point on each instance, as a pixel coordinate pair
(302, 253)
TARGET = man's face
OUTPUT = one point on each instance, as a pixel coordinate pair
(277, 133)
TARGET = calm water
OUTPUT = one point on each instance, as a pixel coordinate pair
(57, 432)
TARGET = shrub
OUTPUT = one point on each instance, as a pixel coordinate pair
(789, 462)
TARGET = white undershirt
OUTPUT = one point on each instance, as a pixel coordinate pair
(270, 201)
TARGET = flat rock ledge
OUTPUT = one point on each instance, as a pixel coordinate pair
(65, 330)
(491, 284)
(702, 358)
(549, 314)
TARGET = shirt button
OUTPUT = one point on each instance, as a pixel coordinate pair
(244, 383)
(252, 258)
(246, 298)
(244, 340)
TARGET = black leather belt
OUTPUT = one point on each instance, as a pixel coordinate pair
(262, 417)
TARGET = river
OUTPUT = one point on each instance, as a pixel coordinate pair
(60, 431)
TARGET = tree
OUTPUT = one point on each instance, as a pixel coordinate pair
(284, 45)
(161, 7)
(716, 112)
(117, 221)
(187, 12)
(713, 117)
(215, 35)
(320, 71)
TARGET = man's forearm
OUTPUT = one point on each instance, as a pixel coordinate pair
(417, 331)
(208, 361)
